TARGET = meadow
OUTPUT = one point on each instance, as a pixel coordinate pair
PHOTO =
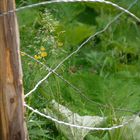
(105, 71)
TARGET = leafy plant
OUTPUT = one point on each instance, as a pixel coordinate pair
(105, 70)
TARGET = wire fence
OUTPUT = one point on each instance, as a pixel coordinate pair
(53, 71)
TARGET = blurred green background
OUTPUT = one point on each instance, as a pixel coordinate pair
(106, 69)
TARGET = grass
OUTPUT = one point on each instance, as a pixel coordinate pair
(106, 70)
(114, 91)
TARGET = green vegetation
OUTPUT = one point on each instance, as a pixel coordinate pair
(106, 69)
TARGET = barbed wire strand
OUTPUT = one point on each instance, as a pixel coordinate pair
(71, 1)
(79, 126)
(75, 88)
(74, 52)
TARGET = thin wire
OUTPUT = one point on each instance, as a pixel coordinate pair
(72, 1)
(79, 126)
(74, 52)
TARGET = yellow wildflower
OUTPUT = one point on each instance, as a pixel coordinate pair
(22, 54)
(60, 44)
(44, 54)
(37, 57)
(42, 48)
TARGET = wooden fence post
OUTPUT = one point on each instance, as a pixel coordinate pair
(11, 90)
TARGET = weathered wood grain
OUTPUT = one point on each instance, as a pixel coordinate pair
(11, 90)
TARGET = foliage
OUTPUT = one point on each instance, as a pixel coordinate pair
(106, 69)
